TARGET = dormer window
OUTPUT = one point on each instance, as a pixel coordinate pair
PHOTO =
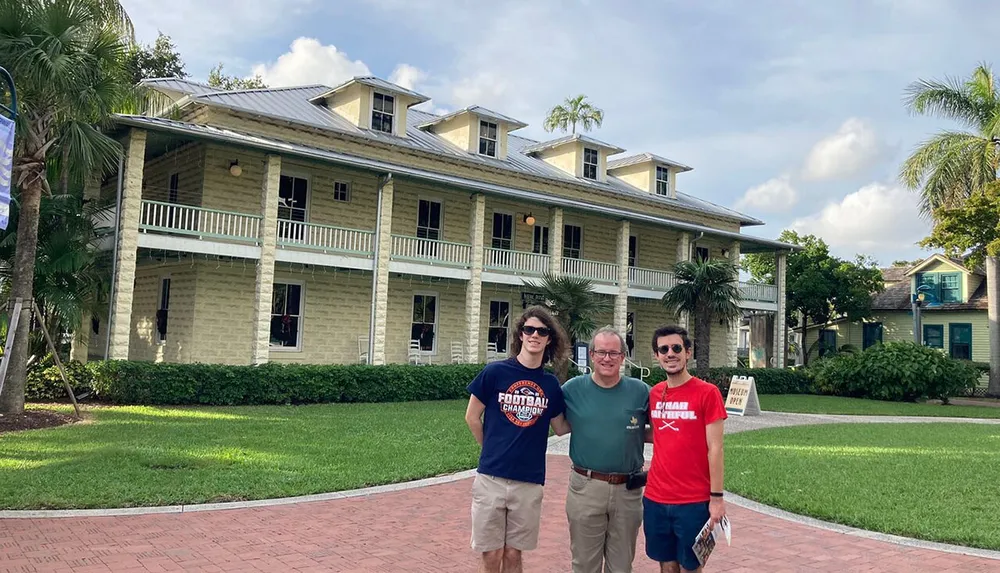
(590, 163)
(383, 111)
(662, 181)
(488, 138)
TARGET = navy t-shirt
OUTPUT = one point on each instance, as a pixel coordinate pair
(520, 402)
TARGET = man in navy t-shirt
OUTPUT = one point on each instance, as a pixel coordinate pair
(513, 403)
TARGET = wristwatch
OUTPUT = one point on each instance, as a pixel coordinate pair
(716, 494)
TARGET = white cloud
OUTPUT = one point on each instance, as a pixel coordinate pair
(775, 194)
(874, 219)
(310, 62)
(407, 76)
(854, 148)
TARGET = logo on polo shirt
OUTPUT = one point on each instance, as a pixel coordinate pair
(523, 403)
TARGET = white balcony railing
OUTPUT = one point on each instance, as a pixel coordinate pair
(759, 292)
(187, 220)
(593, 270)
(649, 278)
(516, 262)
(325, 237)
(430, 251)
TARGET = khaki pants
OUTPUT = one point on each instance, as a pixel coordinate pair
(604, 521)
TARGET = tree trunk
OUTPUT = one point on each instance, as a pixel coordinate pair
(993, 300)
(703, 333)
(805, 347)
(22, 285)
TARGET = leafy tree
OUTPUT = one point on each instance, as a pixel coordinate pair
(159, 60)
(571, 112)
(706, 289)
(217, 79)
(900, 263)
(955, 173)
(575, 305)
(818, 285)
(66, 59)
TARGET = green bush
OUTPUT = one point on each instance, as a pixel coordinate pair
(767, 380)
(129, 382)
(44, 383)
(895, 371)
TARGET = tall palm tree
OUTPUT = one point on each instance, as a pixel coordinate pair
(707, 289)
(571, 112)
(953, 166)
(575, 305)
(66, 58)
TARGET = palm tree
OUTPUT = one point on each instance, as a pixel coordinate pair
(575, 305)
(66, 57)
(571, 112)
(706, 288)
(953, 166)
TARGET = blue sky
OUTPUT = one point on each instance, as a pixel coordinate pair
(789, 111)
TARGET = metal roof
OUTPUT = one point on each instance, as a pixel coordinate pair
(644, 158)
(481, 112)
(374, 82)
(179, 85)
(294, 105)
(542, 146)
(750, 243)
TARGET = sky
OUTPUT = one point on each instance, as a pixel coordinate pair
(789, 111)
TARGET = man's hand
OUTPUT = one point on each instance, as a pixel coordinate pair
(716, 510)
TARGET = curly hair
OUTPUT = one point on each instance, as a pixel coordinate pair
(558, 346)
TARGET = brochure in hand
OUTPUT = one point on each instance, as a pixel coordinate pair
(704, 542)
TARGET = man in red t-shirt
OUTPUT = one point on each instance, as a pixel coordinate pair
(684, 488)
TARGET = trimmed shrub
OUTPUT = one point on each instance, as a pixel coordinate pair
(895, 371)
(767, 380)
(45, 384)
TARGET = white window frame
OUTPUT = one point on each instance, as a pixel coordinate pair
(437, 319)
(309, 184)
(347, 185)
(302, 315)
(541, 239)
(665, 181)
(510, 310)
(160, 306)
(393, 116)
(562, 246)
(484, 124)
(513, 227)
(597, 166)
(432, 199)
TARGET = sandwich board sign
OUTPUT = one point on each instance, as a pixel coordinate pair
(742, 399)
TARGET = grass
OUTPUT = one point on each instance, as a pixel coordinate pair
(928, 481)
(147, 456)
(811, 404)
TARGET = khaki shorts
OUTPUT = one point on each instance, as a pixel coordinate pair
(505, 513)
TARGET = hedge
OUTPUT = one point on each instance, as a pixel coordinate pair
(767, 380)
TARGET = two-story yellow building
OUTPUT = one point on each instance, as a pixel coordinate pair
(341, 225)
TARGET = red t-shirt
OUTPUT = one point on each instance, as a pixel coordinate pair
(679, 470)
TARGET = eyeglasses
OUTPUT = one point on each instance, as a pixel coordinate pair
(541, 330)
(607, 353)
(677, 348)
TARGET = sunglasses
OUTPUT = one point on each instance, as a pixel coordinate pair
(541, 330)
(677, 348)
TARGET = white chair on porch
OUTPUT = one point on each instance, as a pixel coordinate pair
(491, 352)
(457, 352)
(414, 354)
(363, 350)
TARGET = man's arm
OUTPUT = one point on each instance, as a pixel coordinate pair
(716, 468)
(560, 425)
(648, 434)
(474, 418)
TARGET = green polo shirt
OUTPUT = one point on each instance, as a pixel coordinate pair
(608, 424)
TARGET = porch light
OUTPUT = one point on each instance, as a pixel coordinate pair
(234, 168)
(529, 219)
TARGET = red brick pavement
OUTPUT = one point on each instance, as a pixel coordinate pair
(418, 530)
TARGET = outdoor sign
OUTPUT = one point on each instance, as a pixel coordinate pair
(580, 354)
(6, 167)
(742, 399)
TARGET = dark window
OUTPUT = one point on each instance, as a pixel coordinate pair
(173, 189)
(424, 321)
(161, 313)
(428, 227)
(662, 181)
(934, 335)
(827, 342)
(701, 253)
(488, 138)
(590, 163)
(383, 111)
(572, 241)
(286, 315)
(341, 191)
(292, 196)
(633, 248)
(503, 229)
(541, 241)
(871, 334)
(960, 341)
(499, 322)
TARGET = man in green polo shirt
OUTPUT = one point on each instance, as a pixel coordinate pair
(607, 414)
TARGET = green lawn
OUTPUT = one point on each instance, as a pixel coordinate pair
(143, 456)
(810, 404)
(928, 481)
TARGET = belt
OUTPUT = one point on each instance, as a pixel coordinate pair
(612, 479)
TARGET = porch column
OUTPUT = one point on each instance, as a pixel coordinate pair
(130, 211)
(268, 234)
(81, 336)
(683, 254)
(555, 240)
(380, 287)
(733, 333)
(621, 299)
(780, 334)
(474, 290)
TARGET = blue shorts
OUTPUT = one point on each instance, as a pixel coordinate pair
(670, 531)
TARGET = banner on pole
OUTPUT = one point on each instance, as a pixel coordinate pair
(6, 167)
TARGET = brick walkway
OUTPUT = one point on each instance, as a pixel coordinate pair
(417, 530)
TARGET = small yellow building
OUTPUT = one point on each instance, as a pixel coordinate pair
(343, 225)
(953, 313)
